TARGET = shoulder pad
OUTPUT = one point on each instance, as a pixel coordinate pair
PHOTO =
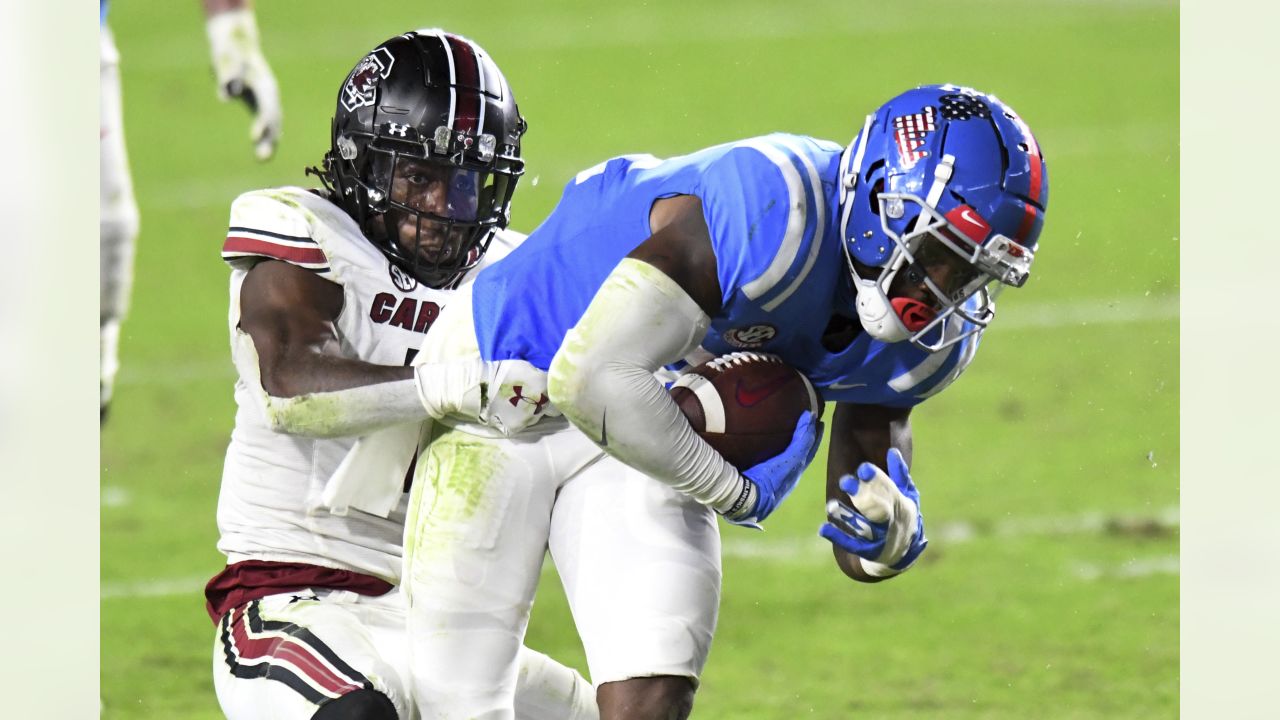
(273, 224)
(766, 190)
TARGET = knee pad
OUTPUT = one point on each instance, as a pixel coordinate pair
(358, 705)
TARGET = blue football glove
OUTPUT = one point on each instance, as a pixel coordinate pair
(881, 521)
(776, 477)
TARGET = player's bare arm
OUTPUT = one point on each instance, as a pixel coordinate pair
(308, 388)
(681, 248)
(290, 314)
(862, 433)
(873, 506)
(640, 319)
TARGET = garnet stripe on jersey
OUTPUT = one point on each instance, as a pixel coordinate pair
(241, 245)
(289, 649)
(241, 230)
(466, 84)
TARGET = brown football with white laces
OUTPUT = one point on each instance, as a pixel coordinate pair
(745, 405)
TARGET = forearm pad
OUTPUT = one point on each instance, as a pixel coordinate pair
(602, 380)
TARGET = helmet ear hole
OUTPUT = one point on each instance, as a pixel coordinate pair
(871, 169)
(873, 197)
(877, 187)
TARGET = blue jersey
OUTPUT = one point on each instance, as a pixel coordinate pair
(771, 207)
(102, 11)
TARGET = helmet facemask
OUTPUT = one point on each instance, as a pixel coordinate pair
(431, 207)
(425, 153)
(971, 265)
(937, 249)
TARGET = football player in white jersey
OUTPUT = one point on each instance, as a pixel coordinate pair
(331, 293)
(242, 73)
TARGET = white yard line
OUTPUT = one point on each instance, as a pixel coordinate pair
(956, 533)
(1029, 316)
(814, 549)
(1082, 313)
(114, 497)
(163, 587)
(1135, 568)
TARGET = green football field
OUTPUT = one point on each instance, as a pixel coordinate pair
(1049, 473)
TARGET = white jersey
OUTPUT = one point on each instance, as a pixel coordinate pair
(269, 506)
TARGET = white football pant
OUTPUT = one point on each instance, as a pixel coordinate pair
(281, 657)
(640, 562)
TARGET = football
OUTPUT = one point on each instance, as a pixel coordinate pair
(745, 405)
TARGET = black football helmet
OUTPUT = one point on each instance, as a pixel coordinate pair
(425, 152)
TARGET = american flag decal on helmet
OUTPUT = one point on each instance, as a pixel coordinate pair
(909, 132)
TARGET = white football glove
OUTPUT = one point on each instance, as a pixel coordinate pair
(506, 395)
(242, 73)
(881, 520)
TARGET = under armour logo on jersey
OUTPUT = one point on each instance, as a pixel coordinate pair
(398, 130)
(518, 395)
(361, 88)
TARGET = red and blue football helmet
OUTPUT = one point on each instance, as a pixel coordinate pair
(940, 169)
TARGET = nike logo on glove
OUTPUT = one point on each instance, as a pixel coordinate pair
(750, 396)
(604, 429)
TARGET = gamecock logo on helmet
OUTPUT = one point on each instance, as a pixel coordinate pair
(362, 85)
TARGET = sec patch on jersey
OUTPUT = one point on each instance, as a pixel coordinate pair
(745, 405)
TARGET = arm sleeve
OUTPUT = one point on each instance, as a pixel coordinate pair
(602, 380)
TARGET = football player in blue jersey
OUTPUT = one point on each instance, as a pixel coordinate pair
(242, 73)
(872, 268)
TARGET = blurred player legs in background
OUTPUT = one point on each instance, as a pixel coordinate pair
(242, 73)
(119, 220)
